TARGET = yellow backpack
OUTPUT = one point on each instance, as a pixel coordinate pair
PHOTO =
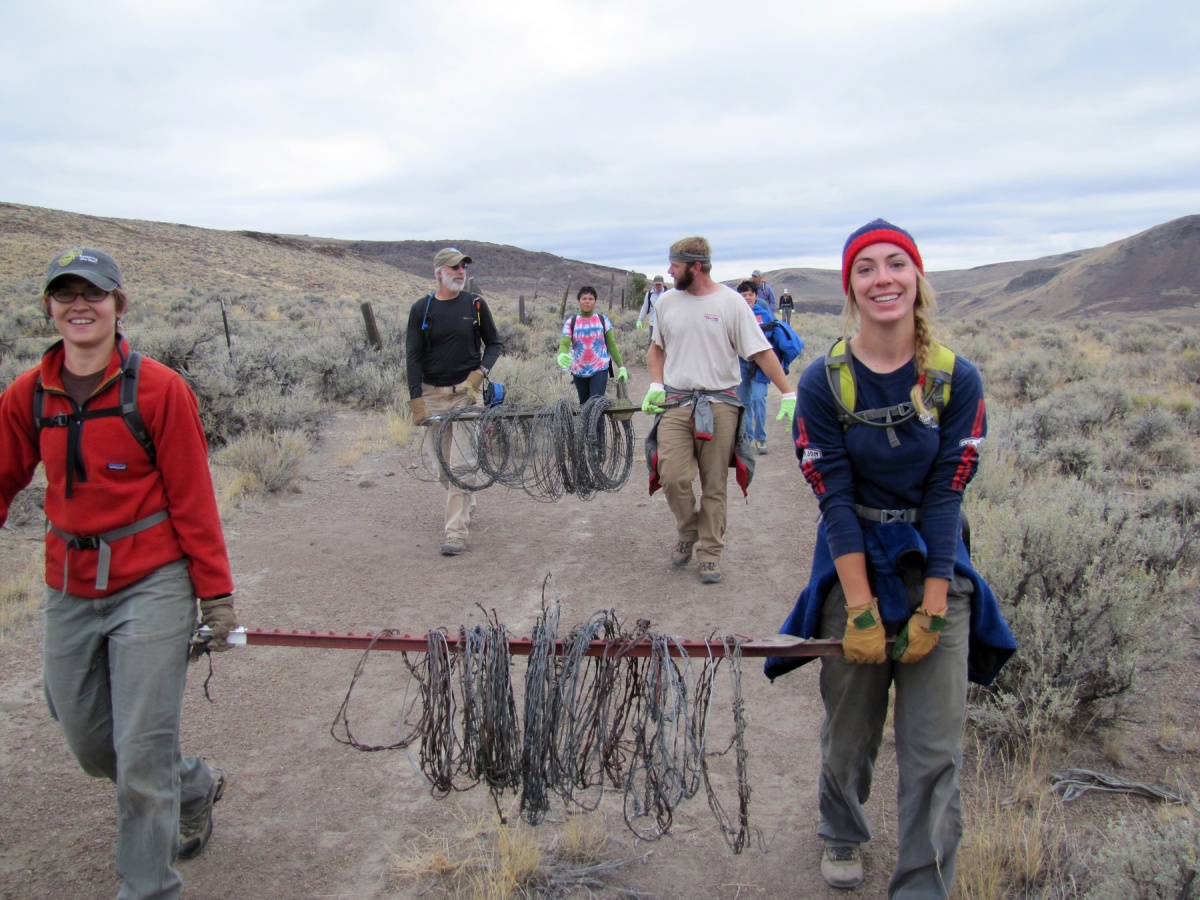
(839, 372)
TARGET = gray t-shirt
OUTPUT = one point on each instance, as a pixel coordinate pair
(703, 338)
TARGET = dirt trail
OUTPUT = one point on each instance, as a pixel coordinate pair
(357, 550)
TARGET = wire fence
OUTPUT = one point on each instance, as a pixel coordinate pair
(546, 451)
(634, 724)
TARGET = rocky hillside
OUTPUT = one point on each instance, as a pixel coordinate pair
(1152, 274)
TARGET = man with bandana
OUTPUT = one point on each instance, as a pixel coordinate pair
(702, 329)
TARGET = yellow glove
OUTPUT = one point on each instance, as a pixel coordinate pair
(864, 641)
(919, 635)
(417, 410)
(475, 384)
(217, 613)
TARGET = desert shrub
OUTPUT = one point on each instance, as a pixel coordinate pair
(180, 348)
(1151, 427)
(270, 462)
(26, 508)
(1080, 573)
(1073, 455)
(341, 367)
(1027, 375)
(1141, 338)
(1148, 857)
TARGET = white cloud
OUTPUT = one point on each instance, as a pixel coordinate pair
(605, 129)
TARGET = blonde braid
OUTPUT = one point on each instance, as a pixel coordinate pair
(924, 309)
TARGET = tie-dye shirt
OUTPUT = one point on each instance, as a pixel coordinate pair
(589, 353)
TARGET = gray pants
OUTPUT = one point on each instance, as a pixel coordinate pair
(114, 670)
(931, 707)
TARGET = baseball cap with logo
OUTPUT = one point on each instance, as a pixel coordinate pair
(451, 256)
(95, 266)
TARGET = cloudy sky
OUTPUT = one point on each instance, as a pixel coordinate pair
(603, 130)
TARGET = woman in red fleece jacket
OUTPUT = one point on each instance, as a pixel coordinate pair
(134, 539)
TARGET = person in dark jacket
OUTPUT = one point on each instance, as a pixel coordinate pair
(134, 538)
(889, 476)
(451, 345)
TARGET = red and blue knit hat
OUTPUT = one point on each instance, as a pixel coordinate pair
(877, 232)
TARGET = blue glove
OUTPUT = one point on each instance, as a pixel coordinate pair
(787, 408)
(622, 375)
(564, 360)
(656, 400)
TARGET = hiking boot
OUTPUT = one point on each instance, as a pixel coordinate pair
(841, 867)
(761, 447)
(195, 830)
(682, 554)
(454, 546)
(710, 573)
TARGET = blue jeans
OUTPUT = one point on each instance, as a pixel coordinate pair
(589, 386)
(114, 670)
(753, 394)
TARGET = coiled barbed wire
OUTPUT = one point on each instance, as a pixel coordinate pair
(546, 451)
(636, 724)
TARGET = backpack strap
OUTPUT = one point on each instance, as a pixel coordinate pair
(73, 421)
(842, 385)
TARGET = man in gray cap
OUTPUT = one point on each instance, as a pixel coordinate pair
(766, 294)
(451, 345)
(657, 289)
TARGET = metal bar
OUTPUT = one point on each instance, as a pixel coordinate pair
(613, 410)
(751, 646)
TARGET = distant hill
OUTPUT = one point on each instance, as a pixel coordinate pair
(1152, 274)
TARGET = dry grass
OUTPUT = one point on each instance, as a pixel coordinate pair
(21, 591)
(584, 839)
(1015, 832)
(487, 860)
(380, 433)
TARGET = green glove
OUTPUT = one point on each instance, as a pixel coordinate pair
(564, 360)
(622, 375)
(919, 635)
(217, 613)
(787, 407)
(864, 641)
(656, 400)
(638, 325)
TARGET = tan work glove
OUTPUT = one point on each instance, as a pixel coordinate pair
(919, 635)
(864, 641)
(417, 410)
(217, 613)
(475, 384)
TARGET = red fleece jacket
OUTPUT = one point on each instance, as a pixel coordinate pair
(120, 484)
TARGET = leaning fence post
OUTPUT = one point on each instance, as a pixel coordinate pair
(228, 338)
(372, 328)
(521, 308)
(562, 312)
(612, 281)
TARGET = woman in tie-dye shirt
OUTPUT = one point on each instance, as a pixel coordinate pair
(589, 348)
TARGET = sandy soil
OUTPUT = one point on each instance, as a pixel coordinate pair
(357, 550)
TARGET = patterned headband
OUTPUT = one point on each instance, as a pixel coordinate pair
(684, 257)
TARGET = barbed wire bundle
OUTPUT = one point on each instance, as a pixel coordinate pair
(634, 724)
(546, 451)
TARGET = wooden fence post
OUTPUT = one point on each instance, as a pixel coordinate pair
(562, 312)
(612, 282)
(372, 328)
(521, 308)
(228, 338)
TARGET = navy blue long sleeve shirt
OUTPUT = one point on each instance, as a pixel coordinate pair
(927, 471)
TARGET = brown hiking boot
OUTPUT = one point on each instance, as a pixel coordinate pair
(682, 554)
(710, 573)
(841, 867)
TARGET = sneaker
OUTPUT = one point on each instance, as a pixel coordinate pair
(454, 546)
(710, 573)
(841, 867)
(682, 554)
(195, 830)
(761, 447)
